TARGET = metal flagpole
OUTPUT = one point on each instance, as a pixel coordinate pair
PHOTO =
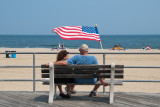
(99, 36)
(101, 45)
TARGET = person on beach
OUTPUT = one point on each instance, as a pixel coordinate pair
(83, 58)
(63, 46)
(62, 56)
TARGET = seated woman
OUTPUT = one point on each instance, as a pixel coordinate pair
(64, 55)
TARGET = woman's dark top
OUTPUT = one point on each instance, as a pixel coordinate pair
(64, 80)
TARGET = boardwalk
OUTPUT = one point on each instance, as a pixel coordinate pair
(28, 99)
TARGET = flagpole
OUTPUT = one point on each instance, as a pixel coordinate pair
(101, 45)
(99, 36)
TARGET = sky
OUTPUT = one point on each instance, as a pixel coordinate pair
(113, 17)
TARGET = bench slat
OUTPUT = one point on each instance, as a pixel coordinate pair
(63, 71)
(87, 66)
(82, 76)
(84, 66)
(44, 66)
(116, 82)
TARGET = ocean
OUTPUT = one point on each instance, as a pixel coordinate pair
(51, 41)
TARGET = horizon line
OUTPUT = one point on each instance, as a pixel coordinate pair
(55, 34)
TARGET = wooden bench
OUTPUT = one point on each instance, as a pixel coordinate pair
(81, 71)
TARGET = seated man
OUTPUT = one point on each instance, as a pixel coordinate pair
(84, 58)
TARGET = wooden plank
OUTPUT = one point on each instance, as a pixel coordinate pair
(117, 82)
(119, 66)
(82, 76)
(83, 66)
(76, 66)
(63, 71)
(44, 66)
(44, 70)
(95, 71)
(15, 101)
(87, 66)
(39, 99)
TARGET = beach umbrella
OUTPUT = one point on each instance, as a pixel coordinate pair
(117, 46)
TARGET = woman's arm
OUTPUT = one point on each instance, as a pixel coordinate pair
(58, 63)
(63, 62)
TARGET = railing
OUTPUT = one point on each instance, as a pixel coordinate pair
(104, 57)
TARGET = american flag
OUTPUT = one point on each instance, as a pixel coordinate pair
(78, 33)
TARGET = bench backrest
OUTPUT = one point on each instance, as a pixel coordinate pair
(83, 71)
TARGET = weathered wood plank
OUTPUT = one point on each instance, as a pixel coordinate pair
(84, 66)
(139, 100)
(96, 71)
(19, 99)
(44, 66)
(77, 71)
(13, 102)
(59, 71)
(87, 66)
(81, 99)
(117, 82)
(82, 76)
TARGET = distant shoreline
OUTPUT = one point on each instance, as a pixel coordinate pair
(69, 48)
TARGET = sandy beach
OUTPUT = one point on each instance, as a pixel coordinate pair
(124, 59)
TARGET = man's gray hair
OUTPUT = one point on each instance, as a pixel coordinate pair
(83, 47)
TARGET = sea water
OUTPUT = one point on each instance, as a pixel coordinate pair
(108, 41)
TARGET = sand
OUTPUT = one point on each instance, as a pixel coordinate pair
(124, 59)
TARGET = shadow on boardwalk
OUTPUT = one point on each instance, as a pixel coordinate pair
(81, 99)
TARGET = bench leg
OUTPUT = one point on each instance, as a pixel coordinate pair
(55, 91)
(51, 94)
(51, 86)
(111, 94)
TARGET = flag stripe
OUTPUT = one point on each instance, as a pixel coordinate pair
(76, 33)
(69, 32)
(67, 29)
(71, 27)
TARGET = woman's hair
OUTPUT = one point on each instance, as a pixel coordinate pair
(61, 55)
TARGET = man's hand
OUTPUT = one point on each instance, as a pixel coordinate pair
(47, 64)
(103, 82)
